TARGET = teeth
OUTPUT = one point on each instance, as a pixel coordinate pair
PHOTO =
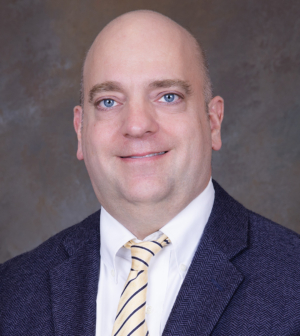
(148, 155)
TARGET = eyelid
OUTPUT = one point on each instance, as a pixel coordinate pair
(108, 95)
(98, 102)
(179, 96)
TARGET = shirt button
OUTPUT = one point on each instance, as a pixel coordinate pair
(149, 310)
(182, 268)
(112, 272)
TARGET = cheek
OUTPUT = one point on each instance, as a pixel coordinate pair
(197, 140)
(99, 136)
(192, 129)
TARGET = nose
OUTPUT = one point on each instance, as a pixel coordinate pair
(140, 120)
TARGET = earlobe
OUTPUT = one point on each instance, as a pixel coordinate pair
(216, 114)
(77, 121)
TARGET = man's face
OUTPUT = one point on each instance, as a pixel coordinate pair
(146, 136)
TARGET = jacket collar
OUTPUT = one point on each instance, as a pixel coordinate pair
(212, 279)
(207, 289)
(74, 282)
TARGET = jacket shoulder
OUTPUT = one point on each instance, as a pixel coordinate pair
(242, 223)
(52, 251)
(273, 237)
(267, 299)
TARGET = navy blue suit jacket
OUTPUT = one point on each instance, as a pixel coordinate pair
(244, 280)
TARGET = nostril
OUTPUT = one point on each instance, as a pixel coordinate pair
(139, 123)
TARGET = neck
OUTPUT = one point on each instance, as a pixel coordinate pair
(143, 219)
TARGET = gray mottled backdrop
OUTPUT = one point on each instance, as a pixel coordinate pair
(253, 48)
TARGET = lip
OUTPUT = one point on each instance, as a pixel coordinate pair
(147, 155)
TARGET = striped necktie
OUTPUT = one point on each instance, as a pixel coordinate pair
(130, 319)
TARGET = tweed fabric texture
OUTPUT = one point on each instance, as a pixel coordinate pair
(51, 290)
(244, 280)
(130, 319)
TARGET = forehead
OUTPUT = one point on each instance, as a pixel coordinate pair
(141, 53)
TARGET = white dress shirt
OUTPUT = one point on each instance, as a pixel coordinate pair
(167, 269)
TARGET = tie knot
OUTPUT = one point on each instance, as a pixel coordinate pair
(141, 253)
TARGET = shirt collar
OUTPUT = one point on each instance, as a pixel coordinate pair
(184, 230)
(113, 236)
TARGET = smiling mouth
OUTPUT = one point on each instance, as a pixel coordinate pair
(143, 156)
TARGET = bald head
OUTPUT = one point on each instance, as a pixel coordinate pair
(149, 125)
(142, 32)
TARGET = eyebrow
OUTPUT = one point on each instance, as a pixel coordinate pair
(103, 87)
(115, 86)
(167, 83)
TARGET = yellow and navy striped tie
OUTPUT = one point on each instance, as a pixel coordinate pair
(130, 319)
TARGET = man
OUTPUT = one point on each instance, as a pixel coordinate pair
(146, 128)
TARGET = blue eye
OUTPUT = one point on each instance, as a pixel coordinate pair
(108, 102)
(169, 97)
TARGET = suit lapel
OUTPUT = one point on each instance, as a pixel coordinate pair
(212, 278)
(208, 287)
(74, 283)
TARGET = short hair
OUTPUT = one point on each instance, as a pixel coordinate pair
(203, 62)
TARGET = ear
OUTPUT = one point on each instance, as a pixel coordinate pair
(78, 115)
(216, 114)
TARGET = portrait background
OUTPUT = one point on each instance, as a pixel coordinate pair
(253, 49)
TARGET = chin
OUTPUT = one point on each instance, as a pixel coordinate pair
(146, 193)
